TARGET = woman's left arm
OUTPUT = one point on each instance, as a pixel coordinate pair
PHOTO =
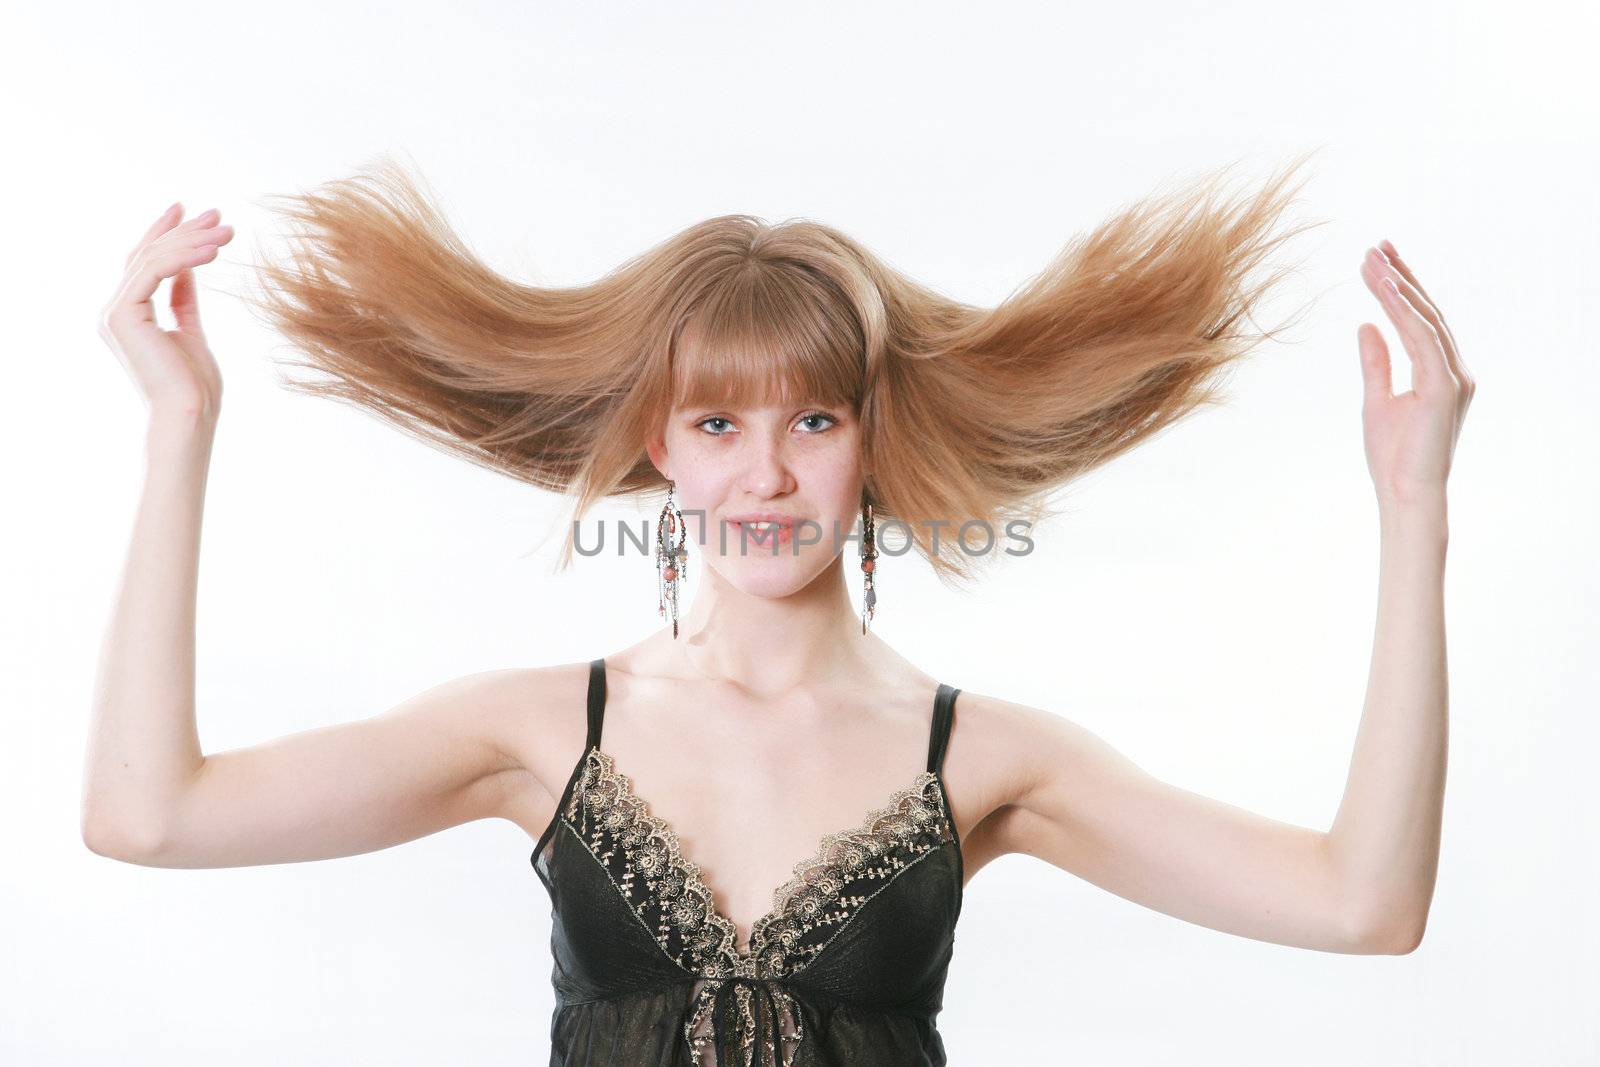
(1366, 884)
(1384, 842)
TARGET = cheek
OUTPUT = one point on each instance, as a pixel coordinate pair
(838, 476)
(835, 493)
(703, 491)
(698, 466)
(831, 476)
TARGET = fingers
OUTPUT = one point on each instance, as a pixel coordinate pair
(1434, 315)
(168, 253)
(164, 229)
(155, 264)
(1422, 340)
(1376, 373)
(186, 303)
(163, 223)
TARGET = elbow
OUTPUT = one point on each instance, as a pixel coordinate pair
(1380, 917)
(117, 841)
(1407, 939)
(1395, 935)
(124, 827)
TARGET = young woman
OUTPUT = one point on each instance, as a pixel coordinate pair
(768, 738)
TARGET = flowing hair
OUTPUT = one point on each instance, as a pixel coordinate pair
(967, 413)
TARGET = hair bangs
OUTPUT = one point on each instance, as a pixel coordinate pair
(770, 337)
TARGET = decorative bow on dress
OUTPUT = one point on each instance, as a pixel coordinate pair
(745, 1014)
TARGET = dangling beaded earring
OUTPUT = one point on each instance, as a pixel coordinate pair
(869, 556)
(672, 561)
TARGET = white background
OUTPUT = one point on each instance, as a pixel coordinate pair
(1207, 605)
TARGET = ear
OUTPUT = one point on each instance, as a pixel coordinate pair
(656, 449)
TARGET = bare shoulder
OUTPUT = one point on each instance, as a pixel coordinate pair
(536, 717)
(1002, 753)
(1003, 748)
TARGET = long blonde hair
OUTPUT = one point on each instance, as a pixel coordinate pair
(966, 412)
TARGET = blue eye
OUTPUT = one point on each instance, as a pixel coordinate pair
(831, 421)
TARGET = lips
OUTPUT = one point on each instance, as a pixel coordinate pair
(764, 516)
(781, 533)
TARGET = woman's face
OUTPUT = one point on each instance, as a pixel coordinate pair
(800, 463)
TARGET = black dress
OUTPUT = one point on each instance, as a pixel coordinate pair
(847, 968)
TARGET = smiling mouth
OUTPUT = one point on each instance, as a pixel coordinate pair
(766, 533)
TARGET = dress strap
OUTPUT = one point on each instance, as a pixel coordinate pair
(597, 709)
(597, 701)
(944, 706)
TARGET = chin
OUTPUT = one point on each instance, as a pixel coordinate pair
(771, 576)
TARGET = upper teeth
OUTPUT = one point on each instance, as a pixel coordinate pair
(763, 525)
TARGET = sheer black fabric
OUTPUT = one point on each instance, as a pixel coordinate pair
(848, 968)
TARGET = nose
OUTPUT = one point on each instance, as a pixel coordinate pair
(766, 471)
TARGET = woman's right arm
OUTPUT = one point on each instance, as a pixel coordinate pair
(150, 796)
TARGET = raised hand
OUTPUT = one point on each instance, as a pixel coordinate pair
(1410, 438)
(173, 369)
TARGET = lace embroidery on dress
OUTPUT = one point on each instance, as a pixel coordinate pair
(646, 862)
(760, 1006)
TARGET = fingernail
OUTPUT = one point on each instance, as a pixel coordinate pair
(1388, 248)
(175, 205)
